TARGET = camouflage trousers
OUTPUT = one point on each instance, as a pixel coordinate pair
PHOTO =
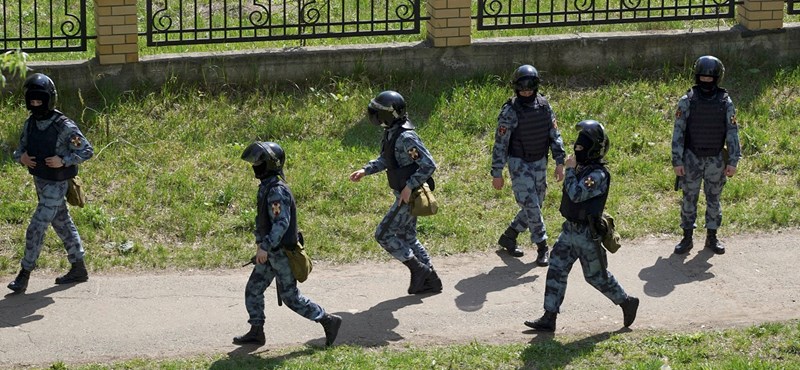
(278, 269)
(575, 244)
(711, 172)
(51, 210)
(397, 234)
(529, 183)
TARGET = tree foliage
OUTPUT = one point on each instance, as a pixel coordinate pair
(12, 63)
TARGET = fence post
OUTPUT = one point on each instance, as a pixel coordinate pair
(117, 31)
(760, 14)
(450, 23)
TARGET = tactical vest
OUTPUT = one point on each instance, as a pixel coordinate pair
(264, 224)
(706, 126)
(42, 145)
(530, 140)
(590, 209)
(397, 176)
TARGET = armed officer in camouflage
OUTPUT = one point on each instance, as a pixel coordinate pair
(51, 147)
(583, 200)
(526, 128)
(408, 165)
(705, 149)
(276, 226)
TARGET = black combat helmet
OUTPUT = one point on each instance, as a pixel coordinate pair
(526, 77)
(708, 65)
(386, 109)
(266, 157)
(40, 87)
(592, 142)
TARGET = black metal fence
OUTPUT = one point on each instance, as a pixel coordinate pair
(43, 25)
(61, 25)
(507, 14)
(180, 22)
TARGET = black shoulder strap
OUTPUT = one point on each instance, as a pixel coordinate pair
(393, 145)
(58, 122)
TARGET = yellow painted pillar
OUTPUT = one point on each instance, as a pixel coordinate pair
(117, 31)
(758, 15)
(450, 23)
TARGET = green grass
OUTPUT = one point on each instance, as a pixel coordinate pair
(766, 346)
(167, 178)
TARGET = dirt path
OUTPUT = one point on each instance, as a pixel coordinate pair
(486, 298)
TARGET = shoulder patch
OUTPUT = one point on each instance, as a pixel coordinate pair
(555, 123)
(733, 120)
(413, 153)
(501, 130)
(678, 113)
(76, 141)
(589, 182)
(276, 209)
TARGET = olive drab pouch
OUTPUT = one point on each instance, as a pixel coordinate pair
(299, 262)
(610, 238)
(422, 202)
(75, 193)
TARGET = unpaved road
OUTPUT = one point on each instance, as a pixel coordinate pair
(486, 298)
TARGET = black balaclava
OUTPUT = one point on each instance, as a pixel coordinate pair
(261, 172)
(523, 84)
(707, 89)
(582, 145)
(42, 111)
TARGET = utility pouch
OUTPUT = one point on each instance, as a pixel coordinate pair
(299, 262)
(422, 202)
(75, 195)
(609, 236)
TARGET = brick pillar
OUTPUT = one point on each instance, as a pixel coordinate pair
(117, 32)
(760, 14)
(449, 23)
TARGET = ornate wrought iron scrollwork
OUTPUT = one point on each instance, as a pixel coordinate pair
(583, 5)
(309, 14)
(630, 4)
(493, 7)
(405, 11)
(162, 21)
(262, 17)
(71, 27)
(178, 22)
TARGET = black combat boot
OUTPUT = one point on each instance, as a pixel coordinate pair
(541, 254)
(76, 274)
(685, 245)
(509, 241)
(20, 284)
(254, 336)
(545, 323)
(331, 324)
(713, 243)
(419, 273)
(629, 308)
(432, 284)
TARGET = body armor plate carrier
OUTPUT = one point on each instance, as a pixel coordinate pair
(531, 138)
(42, 144)
(263, 224)
(706, 126)
(588, 210)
